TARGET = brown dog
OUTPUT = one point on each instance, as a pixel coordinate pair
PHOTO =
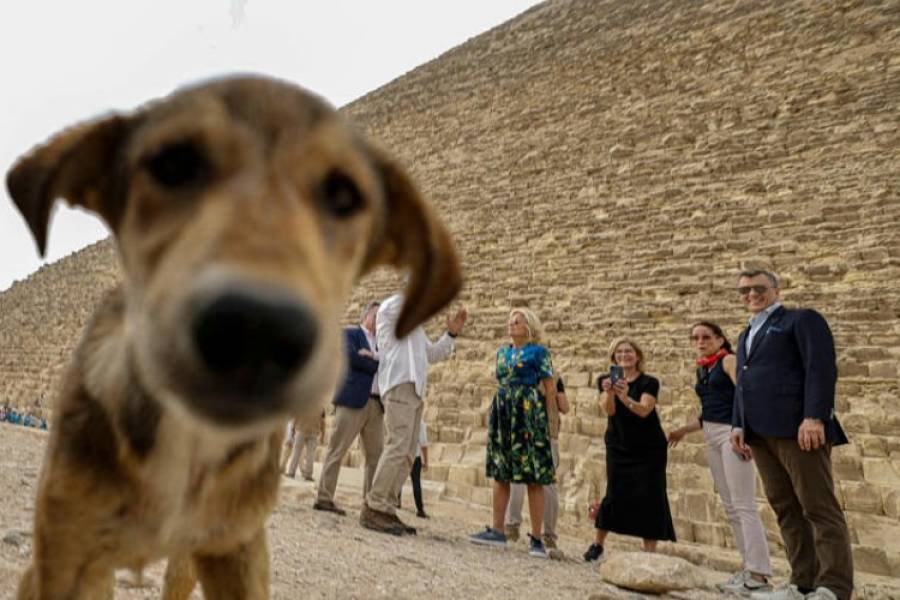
(244, 211)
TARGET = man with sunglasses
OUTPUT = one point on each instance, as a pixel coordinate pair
(784, 416)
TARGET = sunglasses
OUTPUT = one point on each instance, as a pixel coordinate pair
(759, 289)
(697, 338)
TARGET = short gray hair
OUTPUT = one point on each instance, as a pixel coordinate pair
(756, 272)
(366, 308)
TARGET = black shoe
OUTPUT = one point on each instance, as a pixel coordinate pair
(593, 553)
(422, 514)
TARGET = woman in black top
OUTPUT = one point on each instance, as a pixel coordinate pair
(635, 502)
(734, 475)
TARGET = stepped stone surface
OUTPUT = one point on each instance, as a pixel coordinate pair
(613, 165)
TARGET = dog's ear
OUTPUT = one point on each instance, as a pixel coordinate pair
(414, 239)
(76, 164)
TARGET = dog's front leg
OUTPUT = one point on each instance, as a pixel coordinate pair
(42, 582)
(242, 574)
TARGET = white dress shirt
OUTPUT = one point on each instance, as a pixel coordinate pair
(423, 438)
(756, 323)
(405, 360)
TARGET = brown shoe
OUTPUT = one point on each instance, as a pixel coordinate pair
(550, 541)
(329, 506)
(379, 521)
(406, 528)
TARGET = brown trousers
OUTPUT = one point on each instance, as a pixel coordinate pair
(800, 489)
(365, 422)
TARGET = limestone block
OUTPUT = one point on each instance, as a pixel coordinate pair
(451, 434)
(697, 505)
(481, 495)
(586, 395)
(891, 500)
(880, 470)
(847, 466)
(436, 472)
(462, 474)
(883, 368)
(862, 497)
(459, 490)
(451, 453)
(652, 573)
(855, 423)
(871, 445)
(871, 560)
(576, 379)
(478, 437)
(592, 426)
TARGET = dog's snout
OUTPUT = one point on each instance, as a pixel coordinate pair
(251, 343)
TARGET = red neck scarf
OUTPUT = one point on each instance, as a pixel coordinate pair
(711, 360)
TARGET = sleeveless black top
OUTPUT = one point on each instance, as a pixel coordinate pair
(716, 393)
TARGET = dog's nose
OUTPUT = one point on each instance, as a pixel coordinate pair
(251, 343)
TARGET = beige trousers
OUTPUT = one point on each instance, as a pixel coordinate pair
(402, 418)
(367, 423)
(551, 499)
(735, 480)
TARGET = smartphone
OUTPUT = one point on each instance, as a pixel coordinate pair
(616, 373)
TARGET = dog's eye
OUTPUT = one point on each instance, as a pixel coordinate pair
(178, 164)
(339, 195)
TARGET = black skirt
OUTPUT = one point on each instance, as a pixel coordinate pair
(636, 502)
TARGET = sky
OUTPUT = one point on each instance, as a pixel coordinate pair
(62, 62)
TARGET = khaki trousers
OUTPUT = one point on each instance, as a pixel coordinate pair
(402, 418)
(735, 481)
(365, 422)
(800, 488)
(551, 499)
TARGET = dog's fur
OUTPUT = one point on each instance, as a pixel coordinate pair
(245, 186)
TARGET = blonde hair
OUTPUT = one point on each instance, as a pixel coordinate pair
(637, 349)
(532, 323)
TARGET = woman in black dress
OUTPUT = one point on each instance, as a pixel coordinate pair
(635, 502)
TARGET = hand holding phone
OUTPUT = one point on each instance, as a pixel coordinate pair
(616, 374)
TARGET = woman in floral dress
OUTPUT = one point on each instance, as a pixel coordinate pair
(518, 446)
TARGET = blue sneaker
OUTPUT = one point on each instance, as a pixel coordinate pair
(489, 537)
(537, 548)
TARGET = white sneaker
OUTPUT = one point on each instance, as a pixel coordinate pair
(821, 593)
(744, 584)
(788, 592)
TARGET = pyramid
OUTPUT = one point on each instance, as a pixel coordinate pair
(613, 165)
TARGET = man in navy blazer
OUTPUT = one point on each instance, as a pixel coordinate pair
(358, 411)
(784, 418)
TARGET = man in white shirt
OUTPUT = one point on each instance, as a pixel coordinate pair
(402, 379)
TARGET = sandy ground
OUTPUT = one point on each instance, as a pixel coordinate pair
(321, 555)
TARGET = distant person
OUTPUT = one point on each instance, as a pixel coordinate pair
(518, 446)
(304, 434)
(636, 502)
(783, 416)
(402, 379)
(551, 494)
(733, 474)
(358, 411)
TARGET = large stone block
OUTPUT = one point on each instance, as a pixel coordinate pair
(881, 471)
(862, 497)
(463, 475)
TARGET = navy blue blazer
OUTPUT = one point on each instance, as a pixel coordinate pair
(360, 373)
(789, 375)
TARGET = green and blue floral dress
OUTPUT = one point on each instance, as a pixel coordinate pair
(518, 447)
